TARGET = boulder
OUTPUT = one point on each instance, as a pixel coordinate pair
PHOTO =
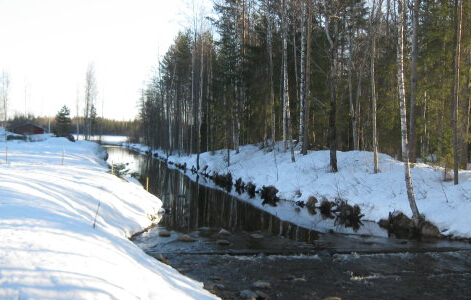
(257, 236)
(223, 242)
(261, 284)
(186, 238)
(311, 205)
(164, 233)
(248, 294)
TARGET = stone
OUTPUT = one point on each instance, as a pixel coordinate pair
(164, 233)
(311, 205)
(383, 223)
(186, 238)
(162, 259)
(299, 279)
(262, 295)
(427, 229)
(248, 294)
(261, 284)
(223, 242)
(332, 298)
(256, 236)
(224, 232)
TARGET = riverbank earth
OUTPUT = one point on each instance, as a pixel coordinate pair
(441, 202)
(65, 223)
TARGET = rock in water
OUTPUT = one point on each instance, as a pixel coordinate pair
(223, 242)
(164, 233)
(186, 238)
(261, 295)
(311, 205)
(248, 294)
(224, 232)
(256, 236)
(261, 284)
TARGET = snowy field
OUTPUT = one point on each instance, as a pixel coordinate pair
(444, 204)
(50, 194)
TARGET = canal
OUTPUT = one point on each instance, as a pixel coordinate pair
(241, 252)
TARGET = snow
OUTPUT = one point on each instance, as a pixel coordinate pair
(446, 205)
(50, 193)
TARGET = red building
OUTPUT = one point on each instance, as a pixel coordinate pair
(28, 129)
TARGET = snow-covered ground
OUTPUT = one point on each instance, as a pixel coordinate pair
(444, 204)
(51, 192)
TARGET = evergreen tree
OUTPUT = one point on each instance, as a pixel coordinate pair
(63, 122)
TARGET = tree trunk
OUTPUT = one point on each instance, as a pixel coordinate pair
(465, 113)
(413, 89)
(286, 107)
(402, 106)
(333, 86)
(270, 75)
(373, 83)
(302, 83)
(456, 90)
(307, 100)
(200, 107)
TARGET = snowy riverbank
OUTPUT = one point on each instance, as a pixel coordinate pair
(444, 204)
(50, 192)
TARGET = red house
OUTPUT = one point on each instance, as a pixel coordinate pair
(28, 129)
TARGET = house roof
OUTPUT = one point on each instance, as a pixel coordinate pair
(26, 124)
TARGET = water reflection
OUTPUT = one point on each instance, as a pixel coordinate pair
(191, 206)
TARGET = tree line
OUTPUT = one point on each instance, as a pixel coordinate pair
(391, 76)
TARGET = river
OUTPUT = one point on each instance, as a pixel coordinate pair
(239, 251)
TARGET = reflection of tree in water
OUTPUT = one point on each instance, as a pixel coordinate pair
(191, 206)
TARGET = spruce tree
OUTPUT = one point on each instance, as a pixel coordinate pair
(63, 122)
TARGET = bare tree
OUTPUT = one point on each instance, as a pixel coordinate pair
(4, 91)
(402, 107)
(90, 97)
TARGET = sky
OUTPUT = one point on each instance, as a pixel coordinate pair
(47, 45)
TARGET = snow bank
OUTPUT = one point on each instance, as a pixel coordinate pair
(50, 193)
(446, 205)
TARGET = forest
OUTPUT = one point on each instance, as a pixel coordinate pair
(391, 76)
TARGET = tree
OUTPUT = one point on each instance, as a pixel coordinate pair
(402, 104)
(413, 82)
(63, 122)
(287, 132)
(4, 93)
(90, 97)
(374, 20)
(456, 89)
(331, 28)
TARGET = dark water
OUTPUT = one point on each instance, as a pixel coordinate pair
(298, 263)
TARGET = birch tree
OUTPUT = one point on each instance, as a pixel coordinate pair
(90, 97)
(4, 94)
(402, 106)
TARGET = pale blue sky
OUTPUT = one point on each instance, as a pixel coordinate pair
(46, 46)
